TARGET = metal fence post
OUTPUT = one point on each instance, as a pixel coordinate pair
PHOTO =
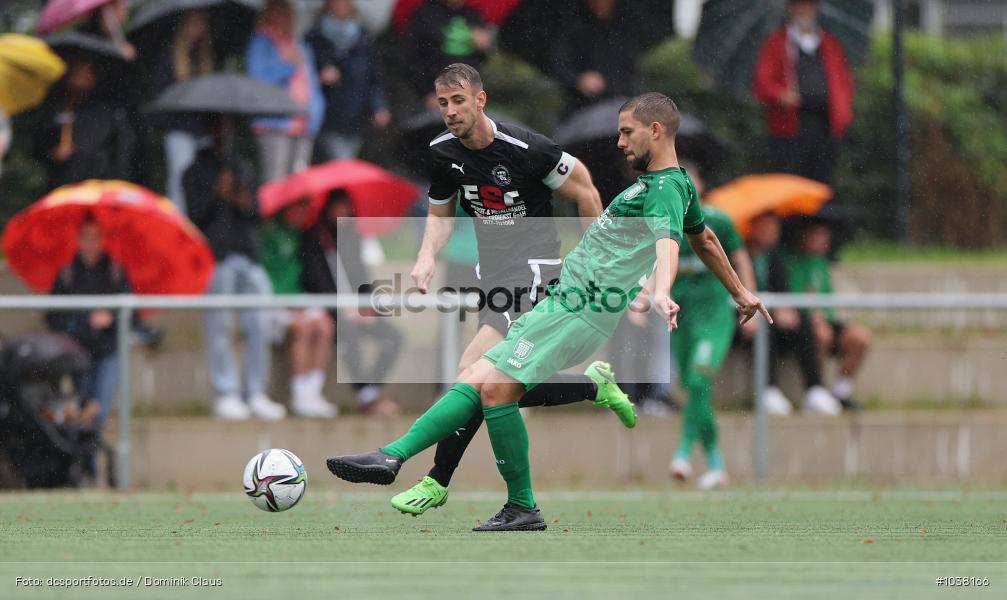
(449, 349)
(760, 372)
(123, 444)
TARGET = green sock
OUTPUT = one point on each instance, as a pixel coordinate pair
(509, 439)
(698, 422)
(449, 413)
(703, 421)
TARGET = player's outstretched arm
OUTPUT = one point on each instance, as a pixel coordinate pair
(440, 223)
(663, 279)
(579, 188)
(709, 250)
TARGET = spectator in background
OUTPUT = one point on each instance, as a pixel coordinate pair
(805, 83)
(80, 135)
(189, 55)
(792, 330)
(808, 270)
(276, 56)
(308, 332)
(442, 32)
(594, 56)
(92, 271)
(106, 21)
(350, 75)
(328, 269)
(220, 192)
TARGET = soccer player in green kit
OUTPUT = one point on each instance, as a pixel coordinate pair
(703, 339)
(600, 277)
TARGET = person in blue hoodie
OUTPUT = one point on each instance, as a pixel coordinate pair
(350, 75)
(276, 56)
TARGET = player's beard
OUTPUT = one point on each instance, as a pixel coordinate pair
(641, 162)
(466, 133)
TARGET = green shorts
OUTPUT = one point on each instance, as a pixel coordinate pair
(543, 342)
(704, 335)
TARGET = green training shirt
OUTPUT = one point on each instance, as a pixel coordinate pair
(607, 269)
(695, 283)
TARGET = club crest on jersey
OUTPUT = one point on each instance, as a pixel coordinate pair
(523, 348)
(633, 191)
(501, 175)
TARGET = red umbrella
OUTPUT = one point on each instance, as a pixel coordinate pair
(494, 11)
(58, 13)
(373, 191)
(161, 250)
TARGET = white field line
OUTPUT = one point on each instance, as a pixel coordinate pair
(866, 495)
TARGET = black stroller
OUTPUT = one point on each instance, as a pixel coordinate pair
(47, 438)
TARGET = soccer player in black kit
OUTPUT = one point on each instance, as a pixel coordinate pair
(504, 177)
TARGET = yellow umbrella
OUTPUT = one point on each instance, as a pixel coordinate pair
(748, 197)
(27, 68)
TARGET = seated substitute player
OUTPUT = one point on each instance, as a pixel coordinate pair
(703, 338)
(616, 253)
(504, 176)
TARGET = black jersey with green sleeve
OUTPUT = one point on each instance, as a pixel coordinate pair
(606, 270)
(507, 188)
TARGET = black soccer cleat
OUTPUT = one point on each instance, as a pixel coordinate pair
(514, 518)
(370, 467)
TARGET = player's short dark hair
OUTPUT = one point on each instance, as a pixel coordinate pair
(457, 75)
(654, 106)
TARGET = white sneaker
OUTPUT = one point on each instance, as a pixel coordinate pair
(680, 469)
(371, 252)
(313, 407)
(821, 401)
(713, 479)
(776, 403)
(231, 408)
(265, 409)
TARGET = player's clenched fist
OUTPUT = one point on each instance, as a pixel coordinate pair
(423, 273)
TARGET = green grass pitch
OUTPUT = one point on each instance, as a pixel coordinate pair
(617, 545)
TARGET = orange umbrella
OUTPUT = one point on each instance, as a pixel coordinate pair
(785, 195)
(161, 251)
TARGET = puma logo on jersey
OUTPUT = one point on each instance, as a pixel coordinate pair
(460, 167)
(506, 315)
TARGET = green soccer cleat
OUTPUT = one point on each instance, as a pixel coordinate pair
(609, 394)
(424, 495)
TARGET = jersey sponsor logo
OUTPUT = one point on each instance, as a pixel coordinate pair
(604, 220)
(633, 191)
(523, 348)
(460, 167)
(490, 195)
(501, 175)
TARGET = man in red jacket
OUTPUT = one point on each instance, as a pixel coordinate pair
(804, 81)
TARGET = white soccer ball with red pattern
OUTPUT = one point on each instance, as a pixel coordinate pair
(275, 480)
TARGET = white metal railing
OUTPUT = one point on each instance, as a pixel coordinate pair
(126, 304)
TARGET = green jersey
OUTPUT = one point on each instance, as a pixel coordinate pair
(694, 283)
(809, 274)
(281, 257)
(609, 266)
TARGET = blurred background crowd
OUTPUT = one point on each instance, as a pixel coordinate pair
(235, 109)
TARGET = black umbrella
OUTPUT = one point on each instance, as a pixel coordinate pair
(231, 23)
(731, 33)
(73, 44)
(594, 130)
(417, 133)
(225, 93)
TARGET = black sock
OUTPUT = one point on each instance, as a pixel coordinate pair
(559, 390)
(450, 449)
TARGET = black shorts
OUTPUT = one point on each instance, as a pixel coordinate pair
(515, 293)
